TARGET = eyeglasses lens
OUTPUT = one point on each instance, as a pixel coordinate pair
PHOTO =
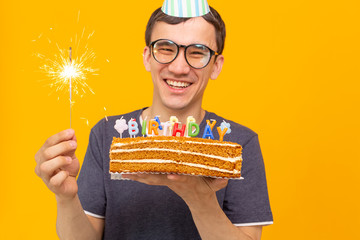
(197, 55)
(165, 51)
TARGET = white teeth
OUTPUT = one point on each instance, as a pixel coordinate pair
(177, 84)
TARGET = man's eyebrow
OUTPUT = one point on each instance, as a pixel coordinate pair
(163, 43)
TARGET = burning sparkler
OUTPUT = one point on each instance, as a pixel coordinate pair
(67, 71)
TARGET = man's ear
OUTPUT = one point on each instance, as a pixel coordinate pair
(146, 58)
(217, 67)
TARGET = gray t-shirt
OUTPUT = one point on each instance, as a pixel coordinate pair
(134, 210)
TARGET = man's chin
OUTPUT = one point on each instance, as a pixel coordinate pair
(176, 105)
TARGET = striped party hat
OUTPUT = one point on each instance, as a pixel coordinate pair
(185, 8)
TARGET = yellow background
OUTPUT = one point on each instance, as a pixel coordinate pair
(291, 73)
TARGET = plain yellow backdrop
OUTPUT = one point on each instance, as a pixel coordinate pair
(291, 74)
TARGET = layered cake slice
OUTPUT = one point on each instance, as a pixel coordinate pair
(180, 155)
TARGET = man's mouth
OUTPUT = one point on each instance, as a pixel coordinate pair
(177, 84)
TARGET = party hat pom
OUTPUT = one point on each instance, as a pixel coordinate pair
(185, 8)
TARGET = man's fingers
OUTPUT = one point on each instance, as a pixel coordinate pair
(216, 184)
(48, 168)
(59, 149)
(129, 176)
(177, 177)
(65, 135)
(58, 178)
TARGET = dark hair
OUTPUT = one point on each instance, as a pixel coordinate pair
(213, 17)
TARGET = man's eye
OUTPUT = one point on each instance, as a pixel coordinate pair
(165, 50)
(197, 53)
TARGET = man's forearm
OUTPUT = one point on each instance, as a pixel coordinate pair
(212, 223)
(72, 222)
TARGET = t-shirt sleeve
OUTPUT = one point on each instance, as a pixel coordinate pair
(91, 179)
(246, 201)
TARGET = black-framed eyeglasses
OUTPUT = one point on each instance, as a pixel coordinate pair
(196, 55)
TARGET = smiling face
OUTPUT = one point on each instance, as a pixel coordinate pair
(177, 86)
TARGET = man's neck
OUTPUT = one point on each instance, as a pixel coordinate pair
(165, 114)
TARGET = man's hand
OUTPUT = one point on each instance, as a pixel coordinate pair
(190, 188)
(57, 164)
(199, 194)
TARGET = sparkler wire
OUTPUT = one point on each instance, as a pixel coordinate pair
(70, 88)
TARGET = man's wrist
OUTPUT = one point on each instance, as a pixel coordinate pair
(203, 204)
(61, 200)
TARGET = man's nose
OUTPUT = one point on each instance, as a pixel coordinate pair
(179, 65)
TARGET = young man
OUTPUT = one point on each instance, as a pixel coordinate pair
(181, 56)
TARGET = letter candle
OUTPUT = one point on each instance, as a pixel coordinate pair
(173, 120)
(211, 124)
(221, 133)
(190, 127)
(153, 127)
(143, 127)
(167, 126)
(208, 133)
(158, 120)
(133, 128)
(178, 130)
(188, 121)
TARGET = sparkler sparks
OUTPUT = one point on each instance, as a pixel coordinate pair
(70, 73)
(105, 114)
(87, 121)
(60, 70)
(68, 70)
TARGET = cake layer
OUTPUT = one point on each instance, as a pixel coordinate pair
(206, 146)
(168, 166)
(125, 141)
(182, 155)
(175, 155)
